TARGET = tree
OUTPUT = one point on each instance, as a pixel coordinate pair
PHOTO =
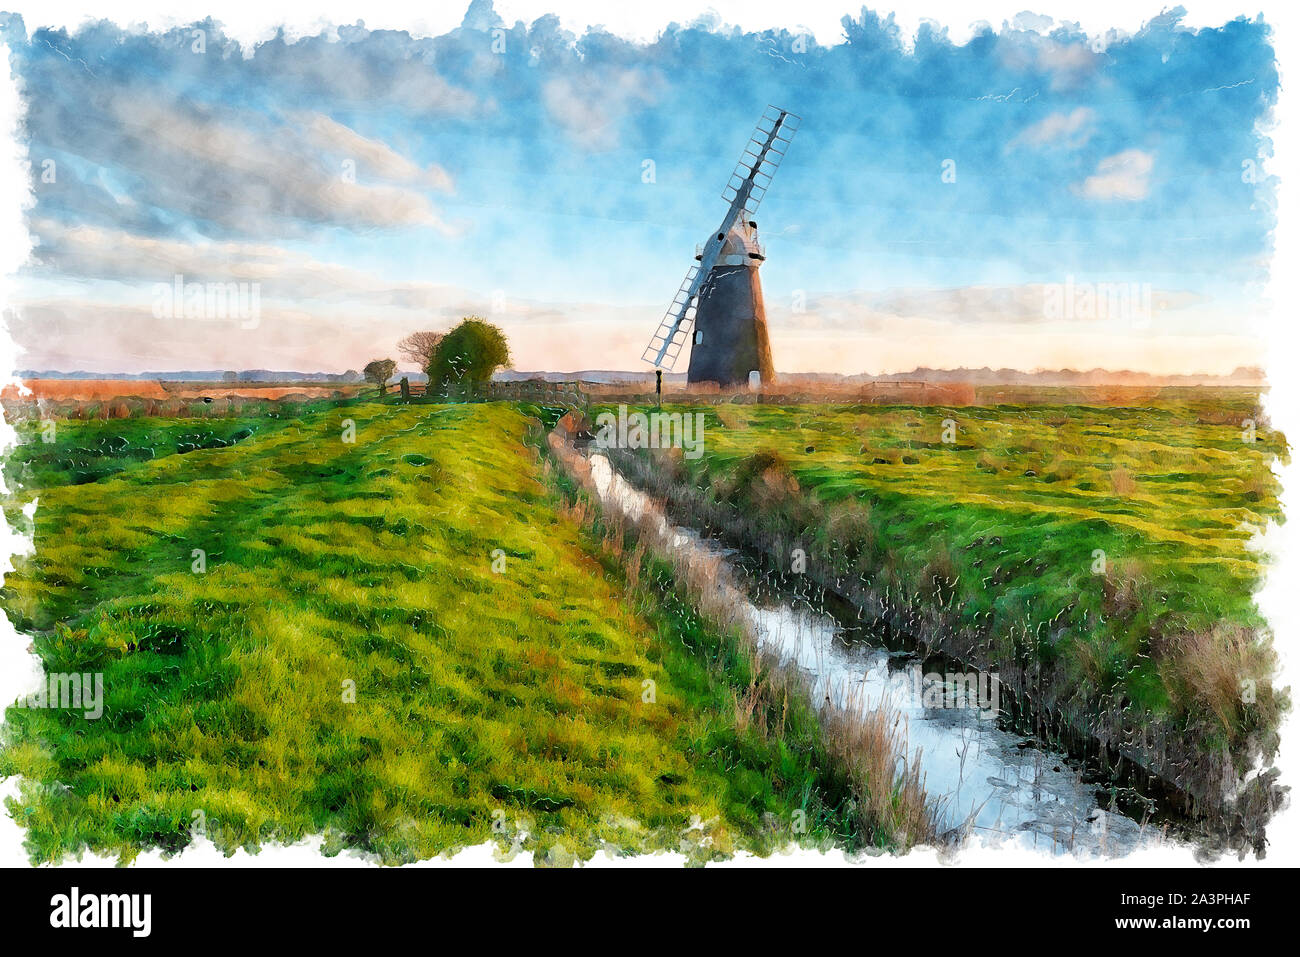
(379, 371)
(419, 347)
(230, 377)
(468, 355)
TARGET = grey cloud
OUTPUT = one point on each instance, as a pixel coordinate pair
(238, 170)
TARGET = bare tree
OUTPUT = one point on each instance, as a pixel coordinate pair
(419, 347)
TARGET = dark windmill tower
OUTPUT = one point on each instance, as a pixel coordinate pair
(721, 298)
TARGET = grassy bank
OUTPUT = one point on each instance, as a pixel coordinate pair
(1098, 558)
(405, 643)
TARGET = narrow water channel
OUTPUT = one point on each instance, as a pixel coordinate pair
(992, 784)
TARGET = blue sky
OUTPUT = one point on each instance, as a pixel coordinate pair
(500, 169)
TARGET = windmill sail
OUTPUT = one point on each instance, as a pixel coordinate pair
(757, 165)
(745, 189)
(667, 342)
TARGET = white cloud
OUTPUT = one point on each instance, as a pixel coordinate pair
(86, 332)
(381, 70)
(1035, 22)
(589, 105)
(239, 174)
(1124, 176)
(313, 314)
(89, 252)
(977, 305)
(1070, 64)
(1067, 130)
(1067, 65)
(373, 157)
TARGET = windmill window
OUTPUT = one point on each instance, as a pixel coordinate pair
(699, 336)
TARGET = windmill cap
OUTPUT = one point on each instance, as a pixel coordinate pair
(740, 246)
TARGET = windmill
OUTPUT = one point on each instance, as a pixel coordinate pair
(721, 298)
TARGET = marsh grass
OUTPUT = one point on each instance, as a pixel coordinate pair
(1218, 668)
(871, 744)
(1122, 482)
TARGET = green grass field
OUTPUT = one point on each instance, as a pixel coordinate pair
(80, 451)
(303, 636)
(1108, 546)
(415, 642)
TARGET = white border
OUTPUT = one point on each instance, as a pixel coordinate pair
(250, 20)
